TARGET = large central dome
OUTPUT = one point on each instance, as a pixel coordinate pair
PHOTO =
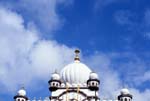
(76, 72)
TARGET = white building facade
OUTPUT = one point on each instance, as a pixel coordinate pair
(75, 82)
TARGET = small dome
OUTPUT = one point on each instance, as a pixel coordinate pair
(125, 91)
(75, 73)
(22, 92)
(93, 76)
(62, 85)
(55, 76)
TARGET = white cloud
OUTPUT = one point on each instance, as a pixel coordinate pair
(111, 83)
(140, 96)
(24, 57)
(101, 4)
(140, 79)
(43, 13)
(131, 67)
(48, 55)
(130, 20)
(146, 76)
(147, 17)
(123, 17)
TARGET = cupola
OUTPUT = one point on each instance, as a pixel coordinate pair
(21, 95)
(54, 82)
(93, 82)
(125, 95)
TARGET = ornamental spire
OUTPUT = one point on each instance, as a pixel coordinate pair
(22, 86)
(77, 55)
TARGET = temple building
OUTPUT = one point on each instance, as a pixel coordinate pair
(75, 82)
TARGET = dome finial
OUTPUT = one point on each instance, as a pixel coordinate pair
(56, 71)
(77, 55)
(22, 86)
(22, 91)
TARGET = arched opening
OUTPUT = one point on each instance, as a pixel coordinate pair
(92, 83)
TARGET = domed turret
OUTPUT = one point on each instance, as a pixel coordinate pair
(125, 95)
(22, 92)
(55, 76)
(93, 82)
(76, 72)
(21, 95)
(93, 75)
(54, 82)
(124, 91)
(79, 83)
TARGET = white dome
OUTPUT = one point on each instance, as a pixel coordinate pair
(55, 76)
(22, 92)
(125, 91)
(93, 75)
(75, 73)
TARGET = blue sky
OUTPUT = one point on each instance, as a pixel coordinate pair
(113, 35)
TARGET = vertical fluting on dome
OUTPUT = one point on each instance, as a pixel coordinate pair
(75, 72)
(77, 55)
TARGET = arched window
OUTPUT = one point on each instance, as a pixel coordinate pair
(57, 84)
(18, 99)
(125, 99)
(96, 83)
(53, 84)
(22, 100)
(121, 99)
(129, 99)
(92, 83)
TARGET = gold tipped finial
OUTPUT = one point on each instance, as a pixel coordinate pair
(77, 55)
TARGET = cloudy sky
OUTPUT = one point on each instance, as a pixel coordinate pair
(39, 36)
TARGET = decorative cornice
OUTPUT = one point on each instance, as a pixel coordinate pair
(93, 80)
(124, 95)
(19, 96)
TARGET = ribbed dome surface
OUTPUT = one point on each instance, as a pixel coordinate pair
(75, 73)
